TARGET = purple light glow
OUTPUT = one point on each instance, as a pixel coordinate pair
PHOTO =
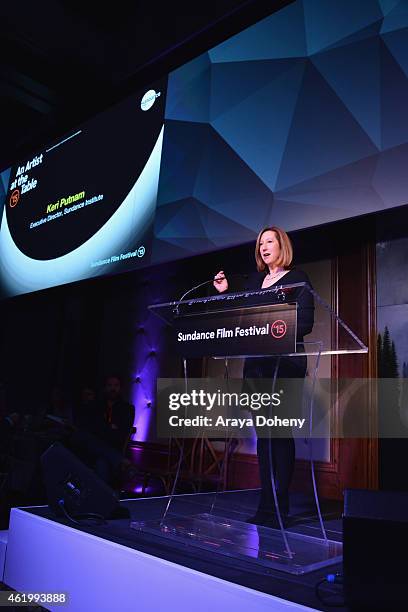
(139, 489)
(142, 392)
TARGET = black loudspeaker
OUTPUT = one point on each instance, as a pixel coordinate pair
(375, 550)
(72, 488)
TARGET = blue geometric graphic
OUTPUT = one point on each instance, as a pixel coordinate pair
(278, 36)
(300, 119)
(327, 23)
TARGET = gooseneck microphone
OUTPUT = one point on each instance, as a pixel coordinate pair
(206, 282)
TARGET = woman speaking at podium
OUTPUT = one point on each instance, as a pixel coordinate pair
(273, 256)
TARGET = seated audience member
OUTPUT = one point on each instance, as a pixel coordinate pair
(118, 414)
(102, 430)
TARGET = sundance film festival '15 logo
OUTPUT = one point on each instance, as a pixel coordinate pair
(14, 198)
(278, 328)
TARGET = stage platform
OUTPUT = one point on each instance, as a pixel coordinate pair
(112, 567)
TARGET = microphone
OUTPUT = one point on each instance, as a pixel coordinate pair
(207, 282)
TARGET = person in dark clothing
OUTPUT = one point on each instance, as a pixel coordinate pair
(102, 430)
(118, 415)
(273, 255)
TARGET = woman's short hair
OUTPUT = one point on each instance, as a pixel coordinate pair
(286, 249)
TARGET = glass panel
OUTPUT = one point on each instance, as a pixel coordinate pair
(243, 542)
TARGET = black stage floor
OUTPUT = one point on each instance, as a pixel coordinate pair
(236, 505)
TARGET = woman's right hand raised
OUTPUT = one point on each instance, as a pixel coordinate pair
(220, 282)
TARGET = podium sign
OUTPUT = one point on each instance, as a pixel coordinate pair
(255, 330)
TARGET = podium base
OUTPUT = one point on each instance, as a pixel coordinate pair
(262, 547)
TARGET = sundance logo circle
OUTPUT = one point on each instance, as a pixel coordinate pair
(278, 328)
(14, 198)
(149, 99)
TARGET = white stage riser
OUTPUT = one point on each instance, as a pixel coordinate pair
(44, 556)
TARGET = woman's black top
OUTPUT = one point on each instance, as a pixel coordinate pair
(304, 298)
(264, 367)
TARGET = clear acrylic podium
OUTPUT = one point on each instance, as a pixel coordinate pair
(227, 534)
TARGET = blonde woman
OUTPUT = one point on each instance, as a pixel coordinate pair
(273, 256)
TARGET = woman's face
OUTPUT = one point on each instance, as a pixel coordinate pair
(269, 248)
